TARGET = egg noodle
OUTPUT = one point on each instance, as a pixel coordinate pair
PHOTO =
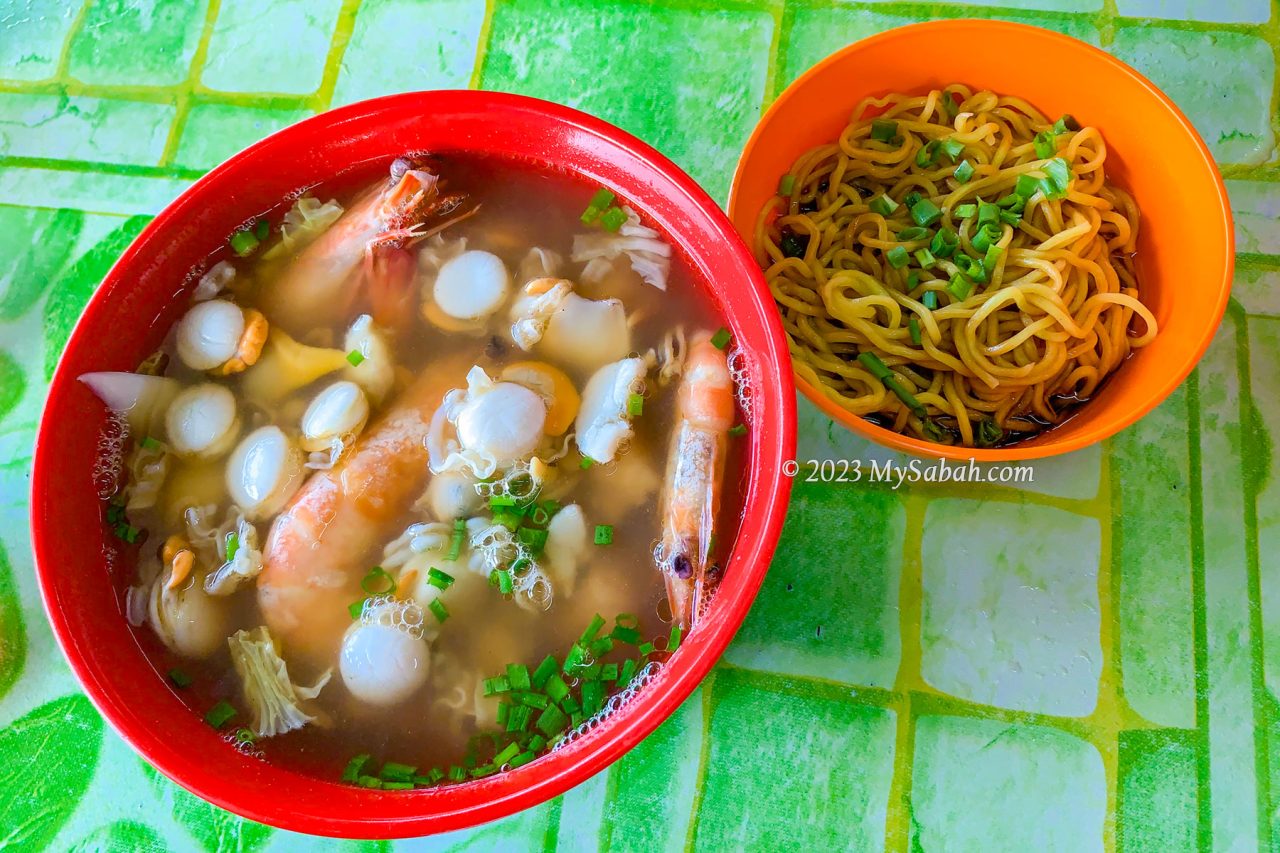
(955, 266)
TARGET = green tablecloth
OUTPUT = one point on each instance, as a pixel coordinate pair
(1089, 661)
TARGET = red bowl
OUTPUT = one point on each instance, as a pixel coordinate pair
(144, 294)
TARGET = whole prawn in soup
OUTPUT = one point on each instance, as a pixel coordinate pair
(435, 465)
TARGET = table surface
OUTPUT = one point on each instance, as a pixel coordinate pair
(1090, 661)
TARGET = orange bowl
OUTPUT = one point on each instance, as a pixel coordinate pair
(1186, 246)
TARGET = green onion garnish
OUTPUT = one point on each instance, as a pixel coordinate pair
(953, 148)
(911, 199)
(586, 462)
(601, 200)
(439, 579)
(355, 357)
(882, 372)
(930, 300)
(944, 243)
(738, 430)
(646, 649)
(1008, 216)
(353, 768)
(369, 782)
(1026, 186)
(535, 538)
(604, 534)
(963, 172)
(501, 502)
(913, 326)
(438, 610)
(149, 443)
(552, 721)
(721, 339)
(534, 700)
(609, 672)
(986, 237)
(455, 541)
(635, 405)
(378, 582)
(545, 670)
(673, 641)
(987, 213)
(913, 279)
(613, 219)
(395, 772)
(457, 774)
(505, 582)
(992, 259)
(233, 545)
(508, 752)
(960, 286)
(1012, 201)
(925, 258)
(989, 433)
(882, 205)
(576, 657)
(518, 676)
(355, 608)
(179, 678)
(884, 131)
(522, 759)
(556, 688)
(1046, 143)
(625, 634)
(589, 634)
(909, 235)
(498, 684)
(786, 184)
(626, 672)
(406, 785)
(261, 229)
(220, 714)
(927, 155)
(925, 212)
(592, 697)
(1059, 174)
(1066, 124)
(964, 211)
(244, 241)
(898, 257)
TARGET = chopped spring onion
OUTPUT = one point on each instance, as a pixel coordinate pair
(721, 339)
(911, 198)
(539, 516)
(149, 443)
(626, 672)
(406, 785)
(646, 649)
(600, 647)
(355, 608)
(881, 371)
(970, 267)
(738, 430)
(497, 684)
(613, 219)
(439, 579)
(522, 759)
(944, 243)
(1026, 186)
(992, 259)
(963, 172)
(1059, 174)
(908, 235)
(882, 205)
(925, 258)
(378, 582)
(592, 630)
(1012, 201)
(352, 771)
(518, 676)
(927, 155)
(261, 229)
(930, 300)
(592, 697)
(625, 634)
(482, 772)
(925, 212)
(533, 537)
(960, 286)
(898, 257)
(601, 200)
(986, 237)
(179, 678)
(913, 326)
(502, 580)
(586, 462)
(369, 782)
(220, 714)
(501, 502)
(1046, 143)
(1011, 218)
(518, 719)
(964, 211)
(884, 131)
(635, 405)
(913, 279)
(552, 721)
(244, 241)
(604, 534)
(953, 148)
(989, 433)
(673, 641)
(438, 610)
(508, 752)
(455, 541)
(355, 357)
(786, 184)
(1066, 124)
(545, 670)
(556, 688)
(534, 700)
(987, 213)
(576, 657)
(609, 672)
(457, 774)
(233, 545)
(395, 772)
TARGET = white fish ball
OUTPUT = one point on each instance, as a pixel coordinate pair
(472, 285)
(381, 664)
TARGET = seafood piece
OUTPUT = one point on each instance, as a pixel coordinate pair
(275, 700)
(553, 386)
(695, 467)
(147, 468)
(566, 547)
(384, 658)
(604, 421)
(212, 283)
(305, 221)
(140, 399)
(187, 620)
(648, 253)
(452, 494)
(286, 366)
(220, 337)
(334, 418)
(471, 286)
(365, 246)
(243, 559)
(496, 423)
(315, 553)
(374, 370)
(191, 483)
(264, 472)
(202, 421)
(540, 263)
(567, 328)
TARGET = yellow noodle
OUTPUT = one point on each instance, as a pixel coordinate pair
(1057, 312)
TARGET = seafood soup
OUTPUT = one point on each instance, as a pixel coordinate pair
(436, 469)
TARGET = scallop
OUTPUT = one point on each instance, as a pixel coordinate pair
(202, 421)
(452, 494)
(209, 333)
(383, 665)
(604, 421)
(472, 286)
(337, 412)
(505, 421)
(375, 371)
(587, 333)
(264, 472)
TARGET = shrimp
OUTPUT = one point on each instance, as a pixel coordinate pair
(323, 542)
(695, 468)
(367, 242)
